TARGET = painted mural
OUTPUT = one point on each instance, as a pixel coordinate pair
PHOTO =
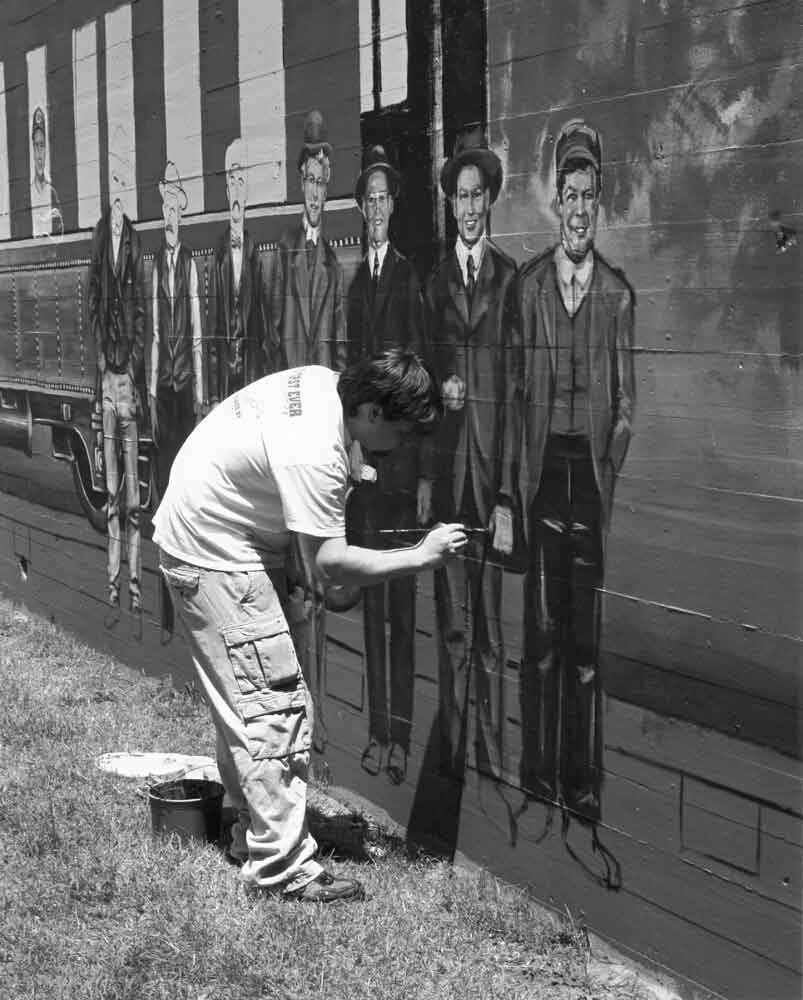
(589, 230)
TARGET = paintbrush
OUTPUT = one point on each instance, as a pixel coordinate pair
(411, 531)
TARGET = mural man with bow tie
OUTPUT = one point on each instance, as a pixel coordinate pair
(578, 393)
(175, 391)
(237, 352)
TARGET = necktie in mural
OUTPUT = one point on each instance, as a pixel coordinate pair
(471, 279)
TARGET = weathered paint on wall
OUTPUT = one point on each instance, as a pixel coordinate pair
(696, 861)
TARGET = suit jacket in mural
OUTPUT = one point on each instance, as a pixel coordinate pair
(390, 315)
(475, 346)
(224, 307)
(612, 381)
(307, 310)
(117, 299)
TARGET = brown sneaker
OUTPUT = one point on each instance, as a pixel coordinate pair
(326, 888)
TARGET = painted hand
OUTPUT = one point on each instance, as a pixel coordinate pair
(454, 393)
(501, 527)
(424, 501)
(154, 418)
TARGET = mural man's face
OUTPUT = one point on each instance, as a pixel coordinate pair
(237, 191)
(314, 181)
(172, 216)
(39, 154)
(578, 207)
(377, 207)
(470, 204)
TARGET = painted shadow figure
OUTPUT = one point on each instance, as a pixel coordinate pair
(385, 309)
(578, 394)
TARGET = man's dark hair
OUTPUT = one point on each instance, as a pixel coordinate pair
(398, 381)
(484, 182)
(569, 167)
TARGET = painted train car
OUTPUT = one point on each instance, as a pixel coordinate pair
(692, 858)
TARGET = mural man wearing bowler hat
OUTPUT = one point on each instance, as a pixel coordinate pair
(308, 323)
(385, 309)
(237, 353)
(175, 393)
(471, 323)
(578, 397)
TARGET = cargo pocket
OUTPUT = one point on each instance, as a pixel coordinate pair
(183, 580)
(276, 723)
(262, 654)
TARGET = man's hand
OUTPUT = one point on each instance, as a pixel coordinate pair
(154, 418)
(500, 526)
(198, 410)
(443, 543)
(424, 501)
(102, 363)
(454, 393)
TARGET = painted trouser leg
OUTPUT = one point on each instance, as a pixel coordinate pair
(560, 685)
(250, 675)
(467, 602)
(176, 418)
(120, 434)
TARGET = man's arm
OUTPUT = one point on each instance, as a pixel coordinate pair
(340, 341)
(214, 305)
(338, 562)
(140, 310)
(197, 342)
(95, 295)
(154, 355)
(624, 403)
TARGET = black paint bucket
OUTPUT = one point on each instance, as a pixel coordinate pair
(190, 807)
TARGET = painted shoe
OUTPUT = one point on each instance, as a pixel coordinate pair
(371, 760)
(397, 764)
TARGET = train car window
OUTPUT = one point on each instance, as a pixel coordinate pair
(87, 127)
(383, 53)
(5, 215)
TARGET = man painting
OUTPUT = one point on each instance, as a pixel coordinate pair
(308, 323)
(237, 308)
(117, 321)
(175, 392)
(578, 395)
(46, 218)
(385, 309)
(471, 324)
(271, 460)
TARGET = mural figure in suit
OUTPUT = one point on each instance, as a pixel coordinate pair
(578, 395)
(385, 309)
(175, 392)
(308, 322)
(471, 320)
(46, 217)
(237, 352)
(117, 320)
(308, 327)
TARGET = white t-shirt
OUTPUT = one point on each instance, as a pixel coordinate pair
(271, 459)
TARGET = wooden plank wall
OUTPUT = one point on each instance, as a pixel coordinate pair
(698, 106)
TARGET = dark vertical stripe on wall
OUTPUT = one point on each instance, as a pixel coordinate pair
(19, 142)
(321, 57)
(220, 94)
(149, 103)
(61, 138)
(103, 118)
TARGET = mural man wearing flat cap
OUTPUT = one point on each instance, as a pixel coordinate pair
(578, 393)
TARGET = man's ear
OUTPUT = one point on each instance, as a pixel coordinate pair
(374, 412)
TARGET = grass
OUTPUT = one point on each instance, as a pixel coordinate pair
(95, 908)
